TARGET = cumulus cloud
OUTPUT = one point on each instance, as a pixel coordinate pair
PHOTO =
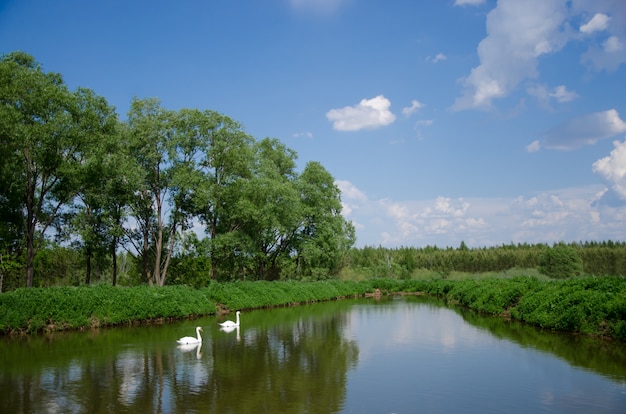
(570, 214)
(349, 191)
(605, 33)
(561, 94)
(368, 114)
(518, 33)
(612, 45)
(544, 95)
(415, 105)
(597, 23)
(303, 135)
(613, 168)
(584, 130)
(609, 56)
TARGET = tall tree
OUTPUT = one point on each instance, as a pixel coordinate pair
(225, 165)
(151, 134)
(47, 130)
(171, 150)
(107, 181)
(271, 207)
(123, 179)
(326, 236)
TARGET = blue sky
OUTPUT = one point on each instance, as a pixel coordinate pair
(442, 121)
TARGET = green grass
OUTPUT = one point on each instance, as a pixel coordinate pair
(586, 305)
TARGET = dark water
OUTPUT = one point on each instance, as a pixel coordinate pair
(402, 355)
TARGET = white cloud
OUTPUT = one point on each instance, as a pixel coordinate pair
(533, 146)
(597, 23)
(368, 114)
(613, 45)
(560, 93)
(572, 214)
(613, 168)
(438, 58)
(468, 2)
(606, 49)
(303, 135)
(518, 32)
(584, 130)
(415, 105)
(350, 192)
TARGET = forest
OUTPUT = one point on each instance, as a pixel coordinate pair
(79, 185)
(186, 197)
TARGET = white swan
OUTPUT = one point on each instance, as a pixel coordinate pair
(190, 339)
(231, 324)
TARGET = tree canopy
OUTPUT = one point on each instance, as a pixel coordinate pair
(73, 174)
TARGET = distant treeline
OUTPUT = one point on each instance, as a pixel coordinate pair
(598, 258)
(59, 265)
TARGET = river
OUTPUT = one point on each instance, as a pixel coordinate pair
(393, 355)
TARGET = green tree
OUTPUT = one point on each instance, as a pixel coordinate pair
(46, 132)
(271, 208)
(325, 237)
(90, 219)
(560, 261)
(123, 178)
(152, 142)
(225, 169)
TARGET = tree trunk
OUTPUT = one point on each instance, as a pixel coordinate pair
(156, 272)
(30, 249)
(211, 250)
(114, 259)
(88, 255)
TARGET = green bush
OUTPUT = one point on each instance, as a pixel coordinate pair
(560, 262)
(588, 305)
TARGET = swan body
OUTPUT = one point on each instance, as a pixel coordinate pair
(231, 324)
(190, 339)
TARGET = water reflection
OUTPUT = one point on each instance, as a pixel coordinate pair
(392, 355)
(279, 364)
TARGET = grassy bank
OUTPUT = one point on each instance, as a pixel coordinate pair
(589, 305)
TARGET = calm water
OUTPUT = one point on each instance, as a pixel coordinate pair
(402, 355)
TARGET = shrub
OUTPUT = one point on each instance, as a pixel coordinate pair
(560, 262)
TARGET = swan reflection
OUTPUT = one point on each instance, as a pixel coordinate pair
(229, 329)
(191, 347)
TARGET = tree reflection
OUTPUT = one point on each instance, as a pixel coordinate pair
(299, 366)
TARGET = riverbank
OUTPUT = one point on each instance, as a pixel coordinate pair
(593, 306)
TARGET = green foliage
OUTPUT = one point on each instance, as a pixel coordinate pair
(588, 305)
(607, 258)
(560, 262)
(259, 294)
(68, 163)
(47, 133)
(37, 309)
